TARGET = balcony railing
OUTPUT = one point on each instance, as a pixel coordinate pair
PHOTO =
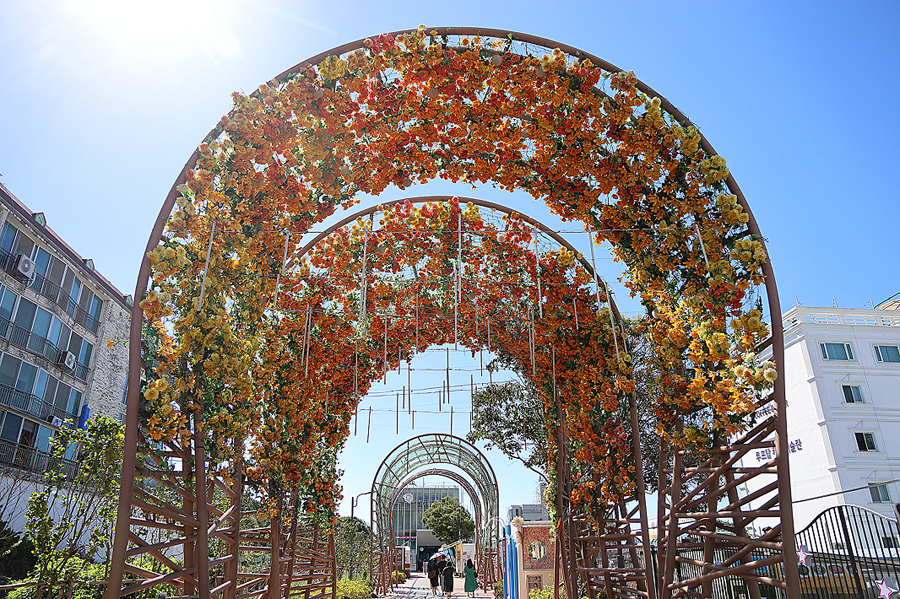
(25, 339)
(53, 292)
(32, 404)
(869, 318)
(29, 458)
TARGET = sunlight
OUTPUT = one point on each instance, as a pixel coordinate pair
(161, 30)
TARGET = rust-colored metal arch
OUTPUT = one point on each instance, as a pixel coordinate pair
(444, 473)
(671, 514)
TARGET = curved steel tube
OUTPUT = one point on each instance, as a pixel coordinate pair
(455, 477)
(120, 543)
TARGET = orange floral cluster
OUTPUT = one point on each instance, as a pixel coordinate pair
(246, 362)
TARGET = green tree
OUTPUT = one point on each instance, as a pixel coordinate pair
(351, 547)
(74, 514)
(449, 521)
(510, 417)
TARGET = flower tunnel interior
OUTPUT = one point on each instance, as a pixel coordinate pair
(255, 351)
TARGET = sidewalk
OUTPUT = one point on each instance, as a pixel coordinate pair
(418, 586)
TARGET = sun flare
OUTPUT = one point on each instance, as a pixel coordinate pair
(162, 29)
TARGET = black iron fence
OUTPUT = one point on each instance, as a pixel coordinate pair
(29, 458)
(848, 550)
(53, 292)
(32, 404)
(22, 337)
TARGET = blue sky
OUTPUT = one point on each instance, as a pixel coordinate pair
(103, 102)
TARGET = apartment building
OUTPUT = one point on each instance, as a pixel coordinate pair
(56, 315)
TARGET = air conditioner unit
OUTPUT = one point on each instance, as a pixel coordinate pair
(24, 267)
(67, 359)
(57, 421)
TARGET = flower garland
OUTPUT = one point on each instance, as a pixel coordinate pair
(254, 348)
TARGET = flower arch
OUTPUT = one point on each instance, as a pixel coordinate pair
(230, 320)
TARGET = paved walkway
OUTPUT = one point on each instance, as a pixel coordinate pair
(417, 586)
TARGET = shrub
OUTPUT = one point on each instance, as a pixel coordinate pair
(498, 588)
(354, 589)
(75, 569)
(399, 577)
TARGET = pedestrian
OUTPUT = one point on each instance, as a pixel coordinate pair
(433, 575)
(471, 576)
(448, 580)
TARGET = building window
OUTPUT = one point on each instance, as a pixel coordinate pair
(865, 442)
(852, 394)
(890, 542)
(836, 351)
(887, 353)
(879, 493)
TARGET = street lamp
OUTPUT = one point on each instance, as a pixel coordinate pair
(354, 501)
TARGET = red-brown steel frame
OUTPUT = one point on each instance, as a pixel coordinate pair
(778, 421)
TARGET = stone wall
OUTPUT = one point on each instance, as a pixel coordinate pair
(108, 375)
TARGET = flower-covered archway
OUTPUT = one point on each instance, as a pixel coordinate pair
(243, 346)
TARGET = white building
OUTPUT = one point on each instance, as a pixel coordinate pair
(842, 377)
(56, 315)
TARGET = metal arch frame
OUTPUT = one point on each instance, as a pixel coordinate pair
(132, 434)
(430, 448)
(455, 477)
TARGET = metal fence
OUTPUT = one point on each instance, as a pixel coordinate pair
(848, 550)
(41, 346)
(32, 404)
(28, 458)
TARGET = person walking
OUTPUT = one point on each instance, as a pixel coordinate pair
(471, 576)
(448, 580)
(433, 575)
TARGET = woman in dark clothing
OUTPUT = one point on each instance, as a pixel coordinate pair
(448, 580)
(433, 575)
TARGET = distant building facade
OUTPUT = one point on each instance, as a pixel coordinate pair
(530, 512)
(410, 508)
(842, 377)
(56, 313)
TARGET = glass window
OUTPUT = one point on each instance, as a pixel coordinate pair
(55, 328)
(865, 442)
(41, 385)
(74, 402)
(28, 434)
(50, 390)
(25, 245)
(66, 286)
(64, 333)
(9, 369)
(889, 542)
(879, 493)
(75, 344)
(8, 237)
(96, 307)
(851, 394)
(85, 356)
(25, 380)
(837, 351)
(42, 320)
(25, 314)
(61, 400)
(11, 426)
(887, 353)
(7, 304)
(43, 438)
(41, 261)
(57, 270)
(76, 289)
